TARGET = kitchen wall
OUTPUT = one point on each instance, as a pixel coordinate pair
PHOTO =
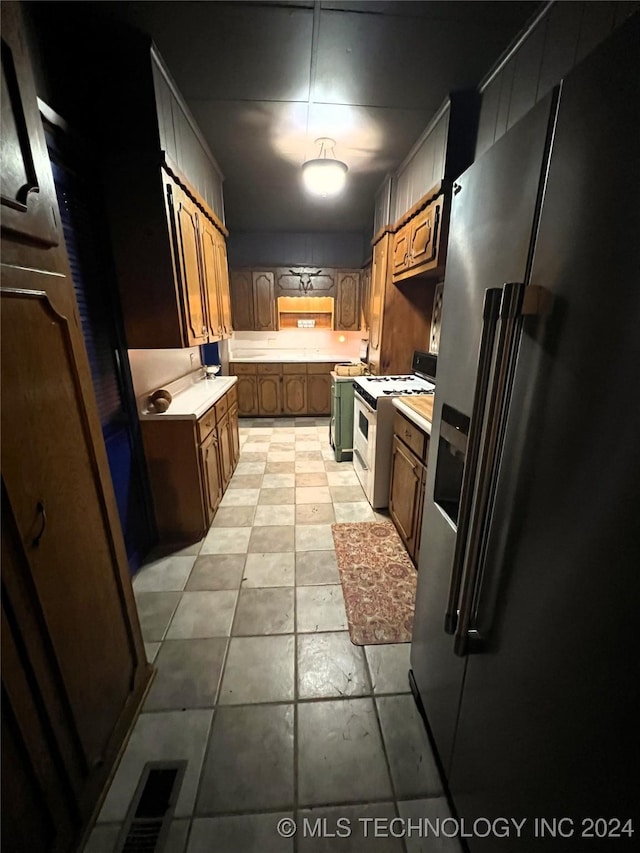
(302, 341)
(153, 368)
(564, 34)
(346, 249)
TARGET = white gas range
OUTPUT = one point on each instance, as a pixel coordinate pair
(373, 422)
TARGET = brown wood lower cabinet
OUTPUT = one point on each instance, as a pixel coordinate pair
(408, 478)
(190, 464)
(287, 388)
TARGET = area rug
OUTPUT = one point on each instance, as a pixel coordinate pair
(378, 580)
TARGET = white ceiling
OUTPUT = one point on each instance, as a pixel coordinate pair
(265, 79)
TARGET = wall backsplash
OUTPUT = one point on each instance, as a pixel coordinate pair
(301, 340)
(153, 368)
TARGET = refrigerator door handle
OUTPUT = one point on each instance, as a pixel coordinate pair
(490, 312)
(508, 329)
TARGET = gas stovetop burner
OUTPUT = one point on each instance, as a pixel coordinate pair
(391, 378)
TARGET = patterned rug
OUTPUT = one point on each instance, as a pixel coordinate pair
(378, 580)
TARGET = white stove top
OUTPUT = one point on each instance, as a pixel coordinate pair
(375, 388)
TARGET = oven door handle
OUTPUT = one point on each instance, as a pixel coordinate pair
(360, 459)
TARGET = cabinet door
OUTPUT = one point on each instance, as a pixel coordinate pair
(294, 397)
(212, 479)
(242, 300)
(225, 450)
(301, 281)
(187, 259)
(365, 298)
(378, 282)
(26, 185)
(269, 395)
(406, 484)
(247, 396)
(264, 306)
(235, 435)
(348, 302)
(50, 470)
(224, 295)
(211, 276)
(401, 250)
(424, 236)
(318, 394)
(416, 547)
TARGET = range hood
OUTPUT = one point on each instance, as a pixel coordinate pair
(305, 312)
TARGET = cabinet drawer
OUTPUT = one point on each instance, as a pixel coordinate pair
(411, 435)
(294, 367)
(243, 369)
(221, 406)
(320, 367)
(206, 424)
(269, 369)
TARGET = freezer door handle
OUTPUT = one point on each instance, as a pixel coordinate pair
(490, 312)
(501, 374)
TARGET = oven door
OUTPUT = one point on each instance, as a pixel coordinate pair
(364, 443)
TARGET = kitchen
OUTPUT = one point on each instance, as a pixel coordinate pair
(534, 651)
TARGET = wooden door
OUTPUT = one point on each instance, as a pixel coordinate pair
(270, 395)
(319, 394)
(247, 396)
(212, 479)
(225, 449)
(294, 396)
(309, 281)
(348, 302)
(187, 259)
(424, 236)
(235, 435)
(242, 300)
(264, 306)
(401, 250)
(74, 668)
(406, 484)
(416, 546)
(224, 295)
(211, 277)
(378, 283)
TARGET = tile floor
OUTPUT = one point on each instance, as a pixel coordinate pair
(258, 685)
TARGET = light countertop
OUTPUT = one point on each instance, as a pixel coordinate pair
(295, 356)
(192, 397)
(419, 419)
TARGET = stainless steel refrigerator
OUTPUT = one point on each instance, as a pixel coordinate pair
(525, 653)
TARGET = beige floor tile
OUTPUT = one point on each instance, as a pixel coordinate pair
(313, 495)
(271, 539)
(344, 494)
(234, 516)
(315, 514)
(276, 481)
(303, 466)
(276, 514)
(354, 511)
(277, 496)
(343, 478)
(246, 481)
(314, 537)
(226, 540)
(240, 497)
(312, 478)
(262, 570)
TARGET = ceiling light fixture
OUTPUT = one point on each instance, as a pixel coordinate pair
(325, 176)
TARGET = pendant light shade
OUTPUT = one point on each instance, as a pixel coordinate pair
(324, 176)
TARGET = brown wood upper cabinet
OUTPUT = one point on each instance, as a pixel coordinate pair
(201, 273)
(254, 295)
(417, 244)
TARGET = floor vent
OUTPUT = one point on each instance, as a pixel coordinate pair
(149, 817)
